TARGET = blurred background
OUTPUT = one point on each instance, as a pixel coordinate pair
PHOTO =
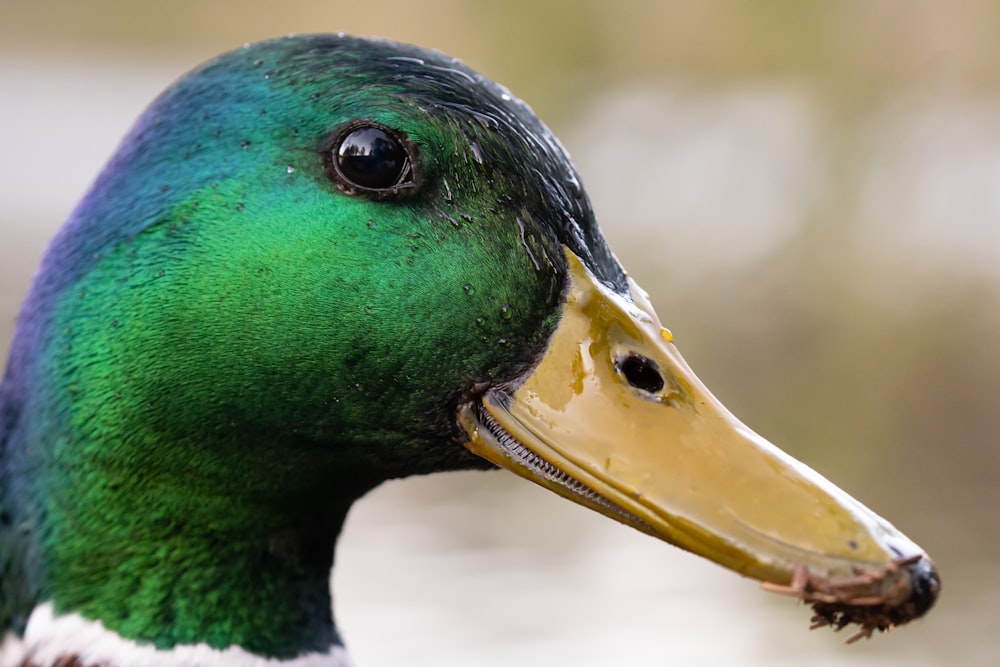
(809, 190)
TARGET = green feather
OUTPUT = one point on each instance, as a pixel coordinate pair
(224, 349)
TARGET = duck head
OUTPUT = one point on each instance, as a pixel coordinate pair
(320, 262)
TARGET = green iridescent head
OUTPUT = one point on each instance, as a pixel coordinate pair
(302, 258)
(320, 262)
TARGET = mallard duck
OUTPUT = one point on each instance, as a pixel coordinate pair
(320, 262)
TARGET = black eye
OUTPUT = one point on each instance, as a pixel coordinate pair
(641, 373)
(370, 158)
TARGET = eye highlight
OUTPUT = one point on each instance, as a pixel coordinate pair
(641, 372)
(365, 157)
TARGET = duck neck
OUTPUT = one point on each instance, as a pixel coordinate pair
(69, 640)
(159, 588)
(144, 561)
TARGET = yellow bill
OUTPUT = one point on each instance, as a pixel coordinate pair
(613, 418)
